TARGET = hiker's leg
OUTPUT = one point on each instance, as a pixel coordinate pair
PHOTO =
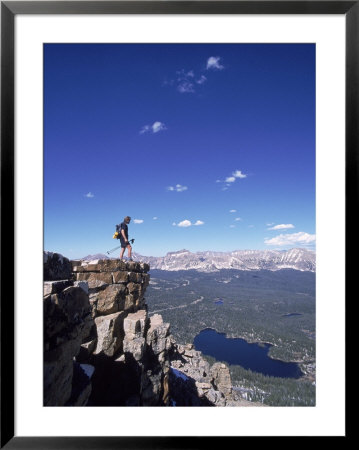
(129, 250)
(122, 252)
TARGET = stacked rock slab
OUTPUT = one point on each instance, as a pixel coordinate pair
(116, 289)
(129, 350)
(114, 285)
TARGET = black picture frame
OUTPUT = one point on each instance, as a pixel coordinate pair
(9, 9)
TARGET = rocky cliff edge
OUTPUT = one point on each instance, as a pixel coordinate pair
(102, 349)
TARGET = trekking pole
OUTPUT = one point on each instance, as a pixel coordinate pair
(116, 248)
(110, 251)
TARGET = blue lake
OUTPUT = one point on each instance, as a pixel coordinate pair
(240, 352)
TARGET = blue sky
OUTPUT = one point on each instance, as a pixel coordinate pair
(206, 147)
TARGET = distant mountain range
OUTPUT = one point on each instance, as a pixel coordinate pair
(296, 258)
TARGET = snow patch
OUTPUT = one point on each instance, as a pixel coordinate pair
(179, 374)
(88, 369)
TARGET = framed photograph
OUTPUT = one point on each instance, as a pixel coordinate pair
(228, 132)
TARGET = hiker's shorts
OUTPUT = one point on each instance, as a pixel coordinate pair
(124, 244)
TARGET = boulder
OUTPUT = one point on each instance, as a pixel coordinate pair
(157, 334)
(111, 299)
(75, 262)
(67, 316)
(145, 279)
(56, 267)
(74, 302)
(95, 280)
(83, 285)
(133, 266)
(77, 269)
(53, 287)
(90, 267)
(144, 267)
(221, 378)
(135, 325)
(135, 277)
(109, 333)
(106, 265)
(134, 348)
(133, 287)
(120, 276)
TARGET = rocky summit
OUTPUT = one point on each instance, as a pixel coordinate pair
(101, 348)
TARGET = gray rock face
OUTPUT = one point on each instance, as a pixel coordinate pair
(157, 334)
(193, 382)
(135, 325)
(54, 287)
(111, 299)
(221, 378)
(134, 341)
(96, 281)
(67, 322)
(56, 267)
(109, 333)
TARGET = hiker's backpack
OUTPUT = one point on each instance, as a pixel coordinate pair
(117, 232)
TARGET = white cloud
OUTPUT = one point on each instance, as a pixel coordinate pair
(155, 128)
(269, 224)
(184, 223)
(213, 63)
(145, 129)
(232, 178)
(185, 81)
(158, 126)
(237, 219)
(201, 80)
(89, 195)
(282, 226)
(232, 210)
(289, 239)
(239, 174)
(177, 188)
(232, 226)
(137, 220)
(185, 86)
(155, 218)
(187, 223)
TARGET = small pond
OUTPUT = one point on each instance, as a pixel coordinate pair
(239, 352)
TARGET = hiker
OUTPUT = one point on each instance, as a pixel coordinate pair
(123, 229)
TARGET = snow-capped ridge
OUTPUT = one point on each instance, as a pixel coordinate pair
(209, 261)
